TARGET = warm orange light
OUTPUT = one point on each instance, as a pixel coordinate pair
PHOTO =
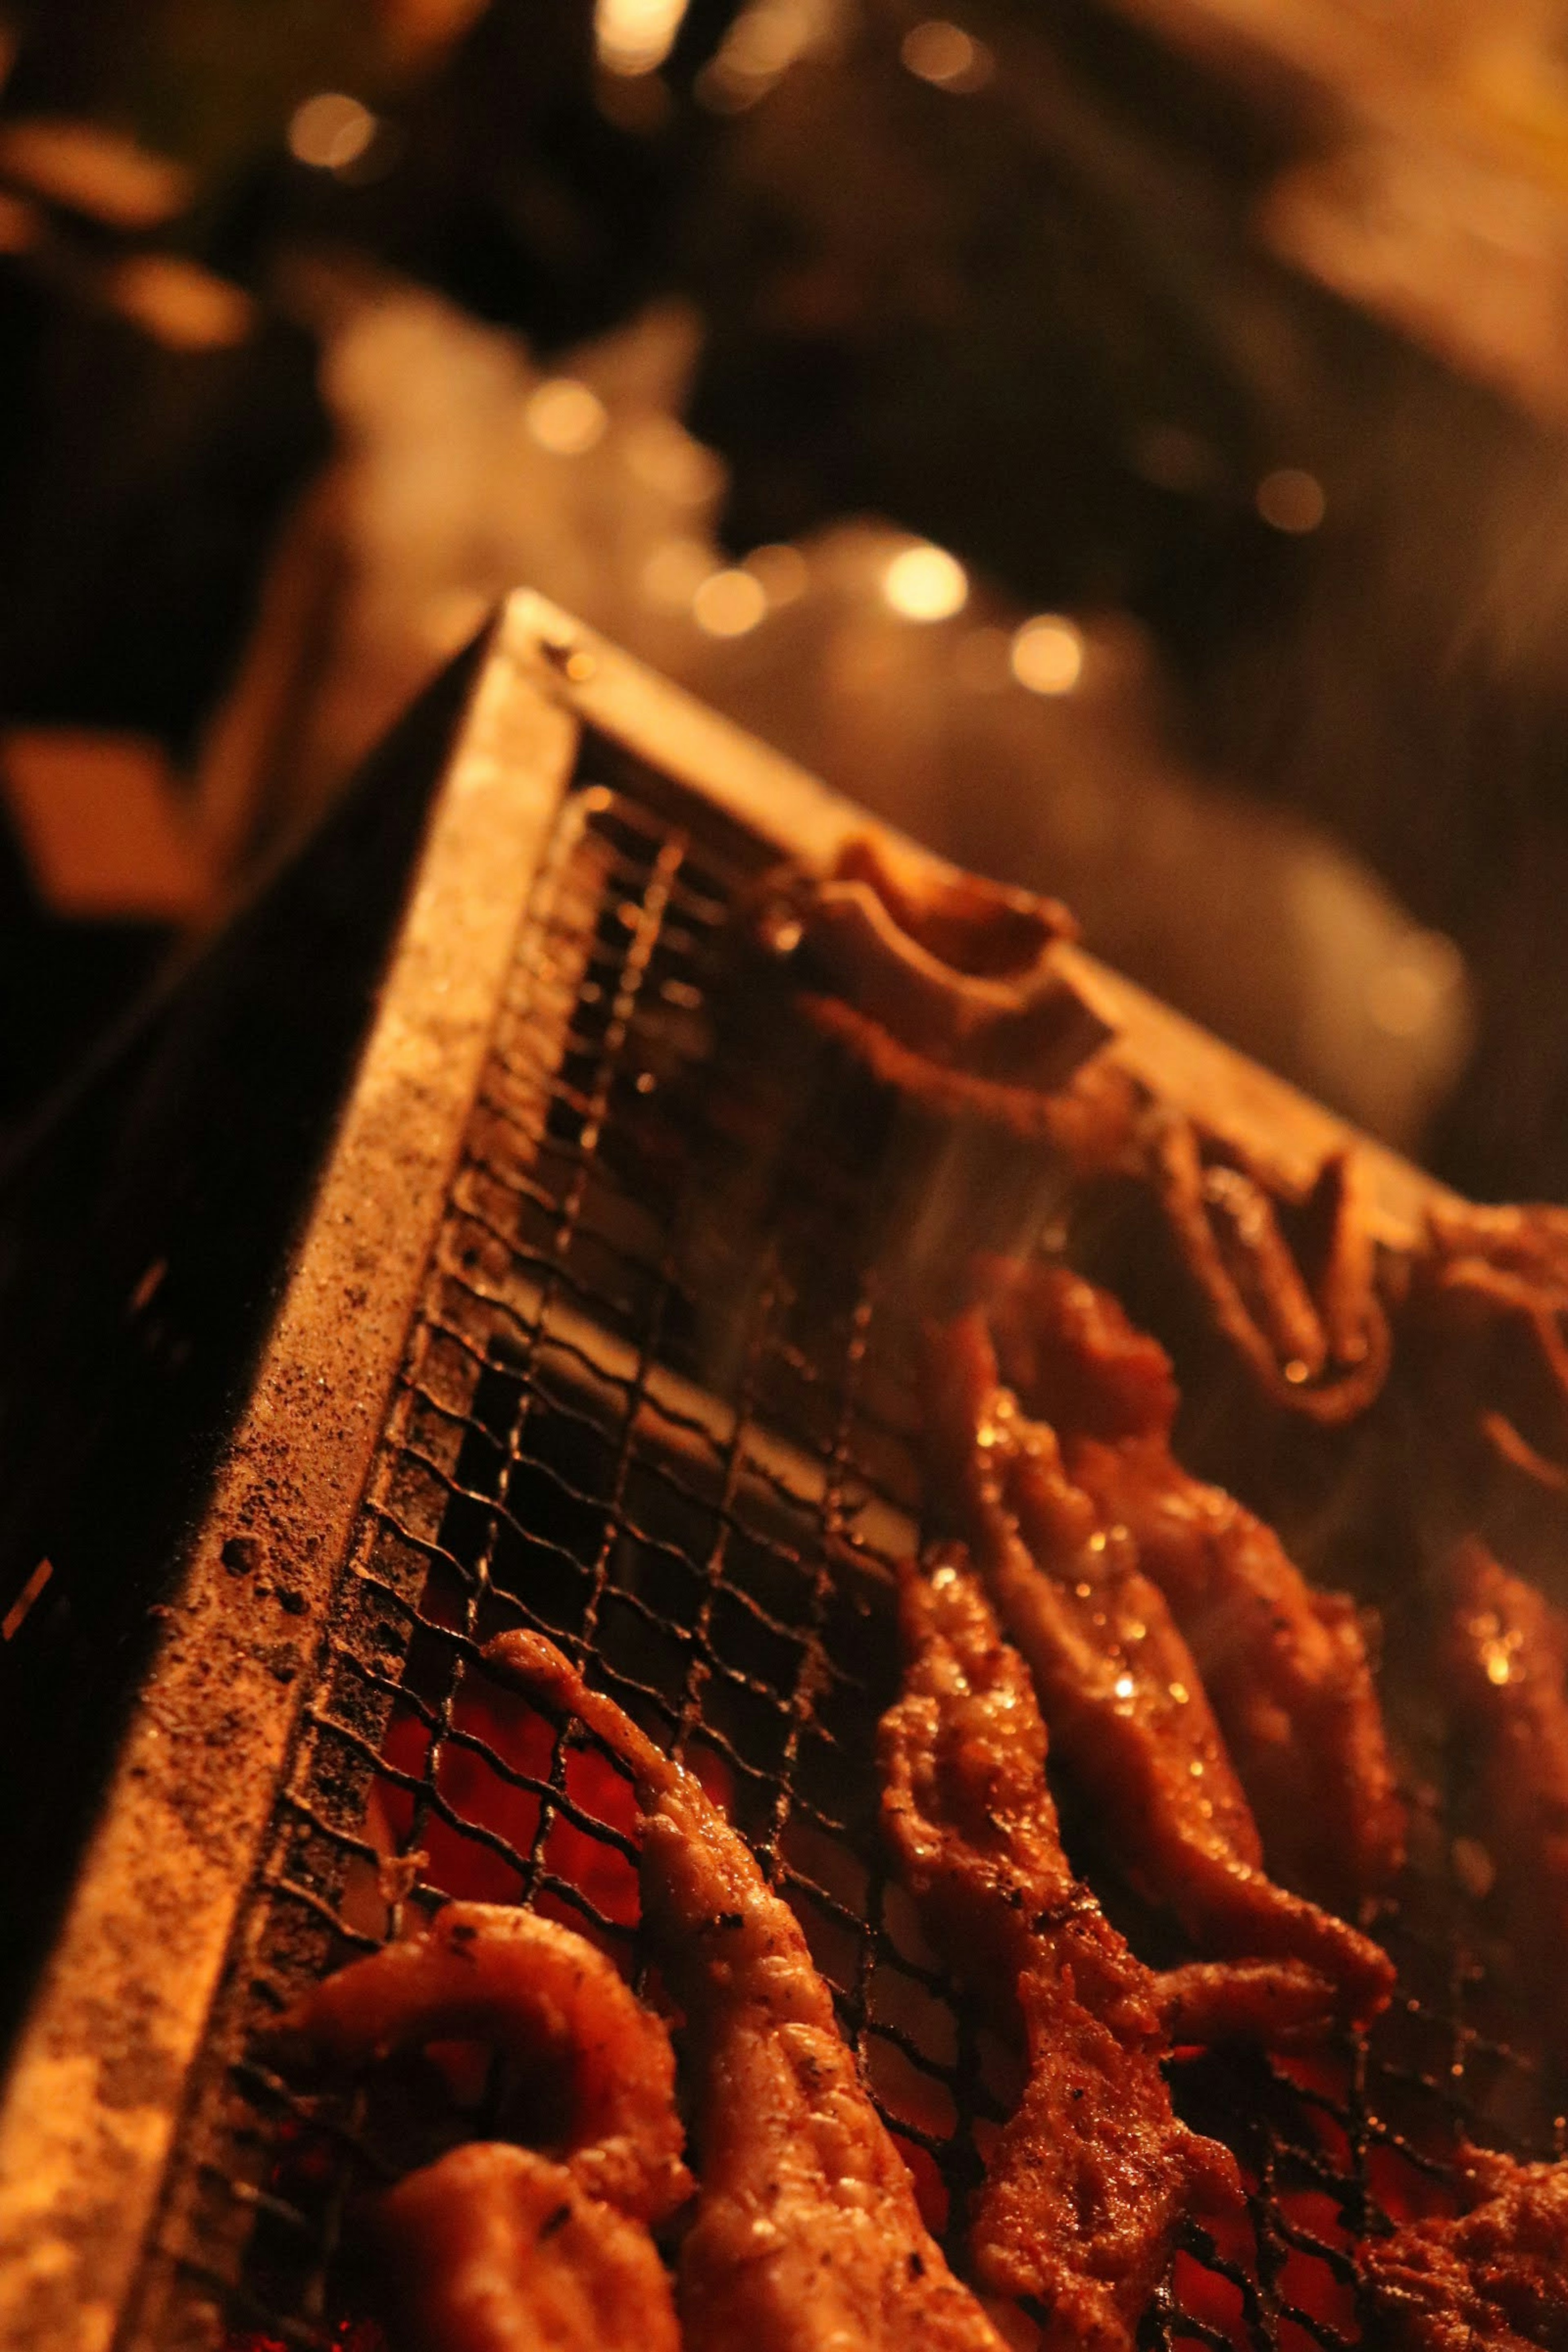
(634, 36)
(331, 131)
(1048, 655)
(925, 584)
(728, 603)
(946, 54)
(565, 417)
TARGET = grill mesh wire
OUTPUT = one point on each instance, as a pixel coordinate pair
(657, 1400)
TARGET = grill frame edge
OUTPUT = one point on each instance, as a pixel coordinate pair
(95, 2092)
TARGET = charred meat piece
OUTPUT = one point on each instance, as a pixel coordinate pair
(1091, 2176)
(1118, 1686)
(954, 968)
(1529, 1241)
(601, 2063)
(1507, 1677)
(1277, 2004)
(946, 986)
(807, 2237)
(1490, 1298)
(497, 2249)
(1286, 1667)
(1495, 2279)
(1325, 1356)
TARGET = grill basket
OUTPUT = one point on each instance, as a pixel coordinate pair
(621, 1347)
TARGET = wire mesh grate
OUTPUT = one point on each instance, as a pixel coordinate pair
(659, 1403)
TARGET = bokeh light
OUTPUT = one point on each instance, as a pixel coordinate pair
(634, 36)
(946, 55)
(1048, 655)
(728, 603)
(925, 584)
(331, 131)
(565, 417)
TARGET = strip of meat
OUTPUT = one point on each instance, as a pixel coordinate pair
(1091, 2175)
(1118, 1685)
(1090, 1120)
(958, 970)
(486, 1971)
(1276, 2004)
(497, 2249)
(807, 2237)
(948, 988)
(1326, 1358)
(1507, 1660)
(1286, 1667)
(1495, 2279)
(1500, 1357)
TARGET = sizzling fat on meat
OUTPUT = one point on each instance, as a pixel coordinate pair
(1118, 1685)
(487, 1971)
(1508, 1675)
(1495, 2279)
(808, 2236)
(1091, 2175)
(1286, 1668)
(497, 2249)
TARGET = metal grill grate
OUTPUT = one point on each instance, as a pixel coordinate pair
(658, 1403)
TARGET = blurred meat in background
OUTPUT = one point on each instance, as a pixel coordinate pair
(1120, 443)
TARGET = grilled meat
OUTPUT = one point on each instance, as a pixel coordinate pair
(1508, 1673)
(1276, 2004)
(808, 2236)
(1324, 1357)
(957, 970)
(601, 2063)
(948, 988)
(1495, 2279)
(1088, 2179)
(1286, 1668)
(1489, 1300)
(1118, 1685)
(497, 2249)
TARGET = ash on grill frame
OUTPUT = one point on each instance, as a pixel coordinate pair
(650, 1388)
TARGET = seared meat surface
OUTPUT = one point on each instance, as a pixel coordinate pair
(1495, 2279)
(1286, 1667)
(1091, 2175)
(487, 1972)
(1274, 2003)
(807, 2237)
(497, 2249)
(1508, 1675)
(1118, 1685)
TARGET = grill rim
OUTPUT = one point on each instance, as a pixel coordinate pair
(89, 2129)
(97, 2085)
